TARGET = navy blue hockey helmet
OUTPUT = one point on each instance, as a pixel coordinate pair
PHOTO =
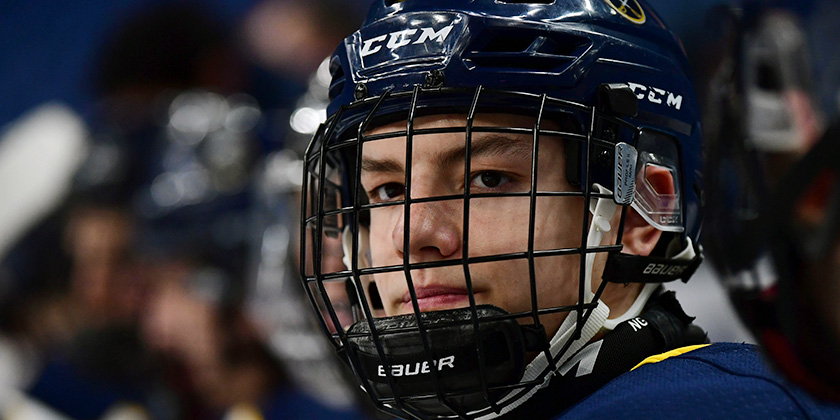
(605, 78)
(774, 195)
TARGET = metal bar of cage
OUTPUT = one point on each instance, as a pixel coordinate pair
(566, 135)
(587, 188)
(477, 129)
(366, 308)
(532, 219)
(482, 370)
(472, 260)
(349, 210)
(409, 150)
(305, 223)
(355, 271)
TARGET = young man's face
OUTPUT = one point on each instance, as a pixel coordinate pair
(499, 162)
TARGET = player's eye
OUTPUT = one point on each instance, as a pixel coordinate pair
(490, 179)
(387, 192)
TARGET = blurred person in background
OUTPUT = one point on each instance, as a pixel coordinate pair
(95, 358)
(146, 318)
(194, 234)
(291, 38)
(34, 264)
(774, 182)
(274, 297)
(287, 41)
(193, 212)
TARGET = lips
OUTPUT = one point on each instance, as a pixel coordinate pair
(432, 298)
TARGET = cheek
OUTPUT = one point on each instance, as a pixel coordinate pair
(498, 226)
(558, 223)
(391, 287)
(507, 283)
(382, 224)
(557, 280)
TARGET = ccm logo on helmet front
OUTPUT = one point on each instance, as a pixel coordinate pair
(418, 368)
(656, 95)
(402, 38)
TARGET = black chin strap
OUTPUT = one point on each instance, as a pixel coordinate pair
(625, 268)
(661, 327)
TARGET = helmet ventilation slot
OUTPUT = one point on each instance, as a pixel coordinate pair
(524, 49)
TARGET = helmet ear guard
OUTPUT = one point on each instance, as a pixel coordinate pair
(659, 203)
(633, 187)
(661, 206)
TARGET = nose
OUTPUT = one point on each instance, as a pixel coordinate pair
(434, 231)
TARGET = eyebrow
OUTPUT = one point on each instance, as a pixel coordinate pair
(495, 145)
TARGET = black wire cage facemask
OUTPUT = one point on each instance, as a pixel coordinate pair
(468, 358)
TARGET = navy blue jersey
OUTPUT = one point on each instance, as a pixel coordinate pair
(725, 380)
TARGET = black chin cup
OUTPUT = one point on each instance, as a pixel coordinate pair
(462, 369)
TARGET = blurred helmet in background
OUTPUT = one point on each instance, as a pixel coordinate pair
(275, 299)
(773, 190)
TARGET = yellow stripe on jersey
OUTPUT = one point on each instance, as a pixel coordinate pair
(675, 352)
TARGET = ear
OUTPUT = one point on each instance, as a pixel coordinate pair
(639, 236)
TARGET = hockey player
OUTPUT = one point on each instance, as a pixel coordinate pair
(774, 190)
(508, 184)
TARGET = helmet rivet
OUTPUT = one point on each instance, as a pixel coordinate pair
(361, 91)
(604, 158)
(434, 78)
